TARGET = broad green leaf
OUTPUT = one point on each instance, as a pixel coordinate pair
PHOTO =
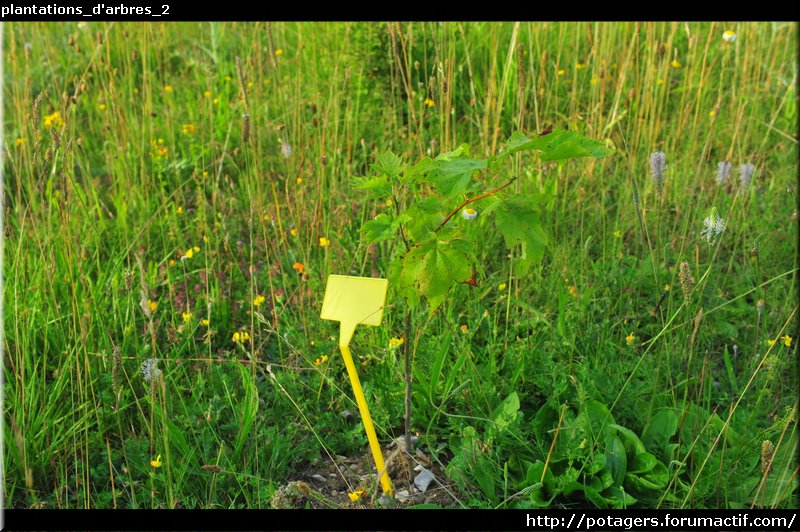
(542, 493)
(518, 222)
(383, 227)
(413, 173)
(449, 173)
(633, 445)
(595, 419)
(557, 145)
(377, 186)
(619, 497)
(506, 412)
(643, 463)
(433, 266)
(616, 461)
(425, 216)
(659, 430)
(388, 164)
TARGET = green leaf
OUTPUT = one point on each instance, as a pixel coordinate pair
(389, 165)
(557, 145)
(519, 223)
(383, 227)
(658, 432)
(413, 173)
(450, 172)
(378, 187)
(643, 463)
(433, 266)
(633, 445)
(595, 419)
(425, 216)
(616, 461)
(506, 412)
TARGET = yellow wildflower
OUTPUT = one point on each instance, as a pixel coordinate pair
(395, 342)
(787, 341)
(20, 141)
(179, 210)
(152, 305)
(187, 317)
(207, 94)
(324, 242)
(428, 102)
(298, 180)
(729, 36)
(158, 151)
(617, 234)
(464, 328)
(279, 51)
(188, 128)
(258, 300)
(712, 113)
(215, 101)
(660, 81)
(356, 495)
(630, 338)
(189, 253)
(573, 291)
(298, 266)
(321, 360)
(101, 107)
(389, 202)
(561, 72)
(168, 89)
(157, 462)
(293, 232)
(172, 262)
(53, 120)
(770, 342)
(205, 322)
(196, 249)
(579, 66)
(676, 64)
(502, 286)
(594, 81)
(666, 287)
(241, 337)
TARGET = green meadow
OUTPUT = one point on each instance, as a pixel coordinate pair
(589, 230)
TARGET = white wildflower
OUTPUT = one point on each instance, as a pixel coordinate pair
(469, 214)
(723, 172)
(714, 226)
(746, 174)
(150, 370)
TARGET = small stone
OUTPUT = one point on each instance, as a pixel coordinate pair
(334, 492)
(347, 414)
(403, 496)
(423, 480)
(320, 478)
(385, 501)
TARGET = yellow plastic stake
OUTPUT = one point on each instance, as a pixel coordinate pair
(354, 301)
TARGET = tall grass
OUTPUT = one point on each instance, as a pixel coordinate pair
(145, 161)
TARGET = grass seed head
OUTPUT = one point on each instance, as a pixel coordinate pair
(245, 128)
(767, 452)
(658, 163)
(687, 282)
